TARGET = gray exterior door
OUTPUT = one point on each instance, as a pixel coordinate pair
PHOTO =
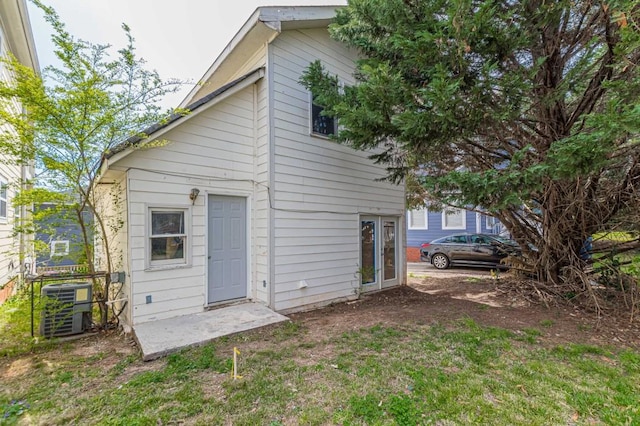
(227, 256)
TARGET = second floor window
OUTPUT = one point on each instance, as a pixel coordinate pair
(321, 124)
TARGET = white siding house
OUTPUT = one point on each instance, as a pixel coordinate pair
(243, 200)
(15, 37)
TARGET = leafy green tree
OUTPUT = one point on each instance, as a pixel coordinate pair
(76, 111)
(529, 109)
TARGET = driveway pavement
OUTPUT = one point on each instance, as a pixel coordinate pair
(427, 269)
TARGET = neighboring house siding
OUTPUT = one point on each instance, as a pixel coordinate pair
(415, 237)
(321, 188)
(62, 229)
(213, 151)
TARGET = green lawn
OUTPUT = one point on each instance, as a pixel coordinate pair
(408, 374)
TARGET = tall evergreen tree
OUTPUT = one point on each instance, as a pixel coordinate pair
(529, 109)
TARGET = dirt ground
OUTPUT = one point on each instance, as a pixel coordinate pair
(428, 299)
(443, 299)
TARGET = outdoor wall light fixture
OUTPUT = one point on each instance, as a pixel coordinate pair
(193, 195)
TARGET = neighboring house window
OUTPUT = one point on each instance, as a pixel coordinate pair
(453, 218)
(167, 236)
(59, 248)
(3, 199)
(418, 219)
(322, 124)
(491, 221)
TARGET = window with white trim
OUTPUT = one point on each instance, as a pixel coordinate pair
(491, 221)
(453, 218)
(3, 199)
(167, 236)
(59, 248)
(418, 219)
(322, 125)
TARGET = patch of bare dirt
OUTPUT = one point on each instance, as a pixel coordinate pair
(427, 300)
(107, 349)
(442, 300)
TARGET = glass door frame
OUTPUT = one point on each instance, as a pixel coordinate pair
(379, 259)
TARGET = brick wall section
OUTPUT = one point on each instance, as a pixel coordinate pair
(7, 291)
(413, 254)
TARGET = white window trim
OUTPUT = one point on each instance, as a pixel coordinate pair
(55, 244)
(410, 213)
(311, 132)
(157, 265)
(490, 221)
(4, 183)
(464, 219)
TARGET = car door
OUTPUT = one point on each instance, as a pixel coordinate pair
(459, 248)
(482, 250)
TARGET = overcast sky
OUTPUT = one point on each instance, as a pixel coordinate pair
(180, 39)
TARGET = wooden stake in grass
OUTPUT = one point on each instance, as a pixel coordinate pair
(234, 373)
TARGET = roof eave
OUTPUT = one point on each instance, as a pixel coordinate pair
(237, 39)
(274, 18)
(17, 26)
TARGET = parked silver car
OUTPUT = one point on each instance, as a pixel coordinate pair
(485, 250)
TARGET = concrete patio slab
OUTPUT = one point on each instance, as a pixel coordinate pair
(162, 337)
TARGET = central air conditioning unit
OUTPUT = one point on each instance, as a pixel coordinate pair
(66, 309)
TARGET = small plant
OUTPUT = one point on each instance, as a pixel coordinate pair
(14, 409)
(530, 335)
(584, 327)
(367, 274)
(495, 274)
(546, 323)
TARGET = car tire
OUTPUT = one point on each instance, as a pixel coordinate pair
(440, 261)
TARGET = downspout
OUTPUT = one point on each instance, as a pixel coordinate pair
(253, 253)
(270, 192)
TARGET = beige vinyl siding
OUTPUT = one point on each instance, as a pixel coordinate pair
(321, 188)
(214, 151)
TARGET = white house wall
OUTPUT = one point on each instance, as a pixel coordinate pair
(261, 231)
(321, 188)
(9, 243)
(10, 175)
(214, 151)
(111, 201)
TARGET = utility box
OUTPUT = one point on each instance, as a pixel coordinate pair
(66, 309)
